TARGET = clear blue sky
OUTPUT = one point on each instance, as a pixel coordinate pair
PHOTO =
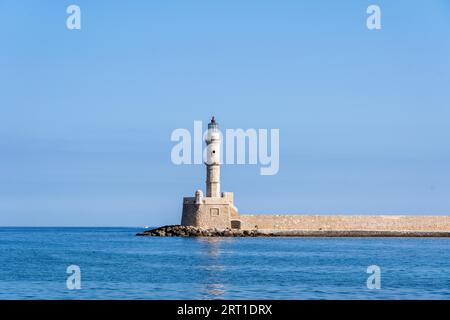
(86, 116)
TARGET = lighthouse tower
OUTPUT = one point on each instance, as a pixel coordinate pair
(213, 159)
(216, 209)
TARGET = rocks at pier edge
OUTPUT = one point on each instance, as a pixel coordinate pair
(190, 231)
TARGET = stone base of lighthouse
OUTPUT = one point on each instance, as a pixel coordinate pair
(210, 212)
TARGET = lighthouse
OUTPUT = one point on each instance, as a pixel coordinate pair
(216, 209)
(213, 159)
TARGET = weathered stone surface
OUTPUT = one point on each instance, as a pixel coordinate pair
(331, 223)
(220, 213)
(190, 231)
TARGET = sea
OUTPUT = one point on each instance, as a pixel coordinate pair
(113, 263)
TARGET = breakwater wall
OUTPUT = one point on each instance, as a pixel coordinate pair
(345, 223)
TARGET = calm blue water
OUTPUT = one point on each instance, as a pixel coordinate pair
(115, 264)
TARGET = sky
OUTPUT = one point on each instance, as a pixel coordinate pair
(86, 115)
